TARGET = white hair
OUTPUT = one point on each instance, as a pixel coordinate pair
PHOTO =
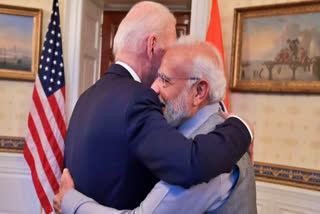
(206, 63)
(144, 18)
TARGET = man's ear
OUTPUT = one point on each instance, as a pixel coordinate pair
(151, 43)
(201, 92)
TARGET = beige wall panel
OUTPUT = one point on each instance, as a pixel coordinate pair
(287, 127)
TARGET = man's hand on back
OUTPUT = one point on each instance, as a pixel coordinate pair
(66, 185)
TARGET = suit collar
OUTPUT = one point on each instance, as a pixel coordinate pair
(118, 70)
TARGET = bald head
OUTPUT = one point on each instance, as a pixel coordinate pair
(143, 37)
(144, 19)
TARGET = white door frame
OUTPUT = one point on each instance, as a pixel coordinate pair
(200, 10)
(72, 50)
(73, 16)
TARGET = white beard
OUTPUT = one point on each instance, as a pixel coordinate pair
(176, 111)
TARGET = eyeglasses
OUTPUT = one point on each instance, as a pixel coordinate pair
(165, 80)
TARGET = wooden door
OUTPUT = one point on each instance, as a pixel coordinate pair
(111, 21)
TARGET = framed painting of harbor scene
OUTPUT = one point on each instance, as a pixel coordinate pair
(276, 48)
(20, 34)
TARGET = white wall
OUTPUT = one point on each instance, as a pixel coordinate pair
(17, 194)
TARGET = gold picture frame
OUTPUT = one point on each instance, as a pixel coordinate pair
(287, 175)
(11, 144)
(271, 51)
(20, 46)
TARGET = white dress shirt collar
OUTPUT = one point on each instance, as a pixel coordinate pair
(130, 70)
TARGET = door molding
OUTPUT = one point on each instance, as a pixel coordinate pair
(200, 18)
(72, 47)
(72, 51)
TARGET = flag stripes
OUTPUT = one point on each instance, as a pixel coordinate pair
(44, 143)
(38, 185)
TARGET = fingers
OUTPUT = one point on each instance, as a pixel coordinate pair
(57, 204)
(250, 151)
(66, 180)
(65, 186)
(225, 115)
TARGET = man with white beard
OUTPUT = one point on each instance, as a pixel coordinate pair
(190, 84)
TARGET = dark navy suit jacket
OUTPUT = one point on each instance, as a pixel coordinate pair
(118, 144)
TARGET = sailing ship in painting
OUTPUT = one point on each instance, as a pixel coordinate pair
(11, 59)
(16, 34)
(284, 48)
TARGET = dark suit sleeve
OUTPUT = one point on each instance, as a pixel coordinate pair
(174, 158)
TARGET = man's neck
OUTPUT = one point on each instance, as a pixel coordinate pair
(134, 62)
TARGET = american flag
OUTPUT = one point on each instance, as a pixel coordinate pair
(44, 142)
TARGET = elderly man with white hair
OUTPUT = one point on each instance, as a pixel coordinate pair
(190, 84)
(118, 145)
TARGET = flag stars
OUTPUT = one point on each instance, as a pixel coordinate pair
(51, 80)
(45, 77)
(57, 44)
(50, 89)
(58, 82)
(43, 48)
(46, 68)
(52, 32)
(55, 13)
(54, 23)
(40, 66)
(41, 56)
(54, 61)
(48, 59)
(51, 41)
(59, 34)
(56, 53)
(61, 64)
(53, 71)
(57, 4)
(60, 73)
(49, 51)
